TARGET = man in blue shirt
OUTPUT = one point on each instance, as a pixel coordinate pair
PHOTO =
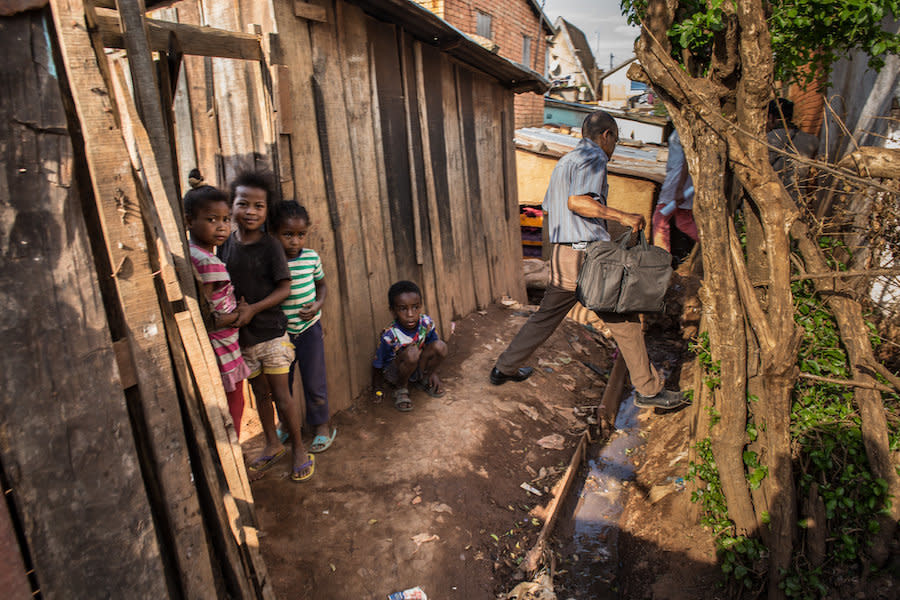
(577, 214)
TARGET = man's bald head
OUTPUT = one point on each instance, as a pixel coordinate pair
(596, 123)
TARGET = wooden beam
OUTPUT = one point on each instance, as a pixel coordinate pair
(310, 12)
(193, 39)
(116, 197)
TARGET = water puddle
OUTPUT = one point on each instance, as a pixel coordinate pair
(599, 503)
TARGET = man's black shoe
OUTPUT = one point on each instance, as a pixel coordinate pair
(665, 399)
(522, 373)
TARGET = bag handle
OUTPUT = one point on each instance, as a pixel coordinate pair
(642, 240)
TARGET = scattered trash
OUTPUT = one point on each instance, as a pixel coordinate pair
(424, 538)
(372, 521)
(379, 396)
(579, 348)
(679, 484)
(590, 393)
(531, 489)
(509, 302)
(531, 470)
(415, 593)
(681, 455)
(539, 589)
(416, 500)
(543, 362)
(554, 441)
(658, 492)
(529, 411)
(564, 359)
(442, 508)
(333, 568)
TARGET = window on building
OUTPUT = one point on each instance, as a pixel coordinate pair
(526, 50)
(483, 24)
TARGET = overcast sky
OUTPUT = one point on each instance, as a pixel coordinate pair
(602, 23)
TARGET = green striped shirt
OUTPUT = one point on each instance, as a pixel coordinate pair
(306, 270)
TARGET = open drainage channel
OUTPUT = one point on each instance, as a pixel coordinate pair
(592, 527)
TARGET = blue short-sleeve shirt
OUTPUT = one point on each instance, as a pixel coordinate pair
(581, 171)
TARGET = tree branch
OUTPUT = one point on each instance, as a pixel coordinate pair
(847, 382)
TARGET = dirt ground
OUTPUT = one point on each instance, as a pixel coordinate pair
(433, 498)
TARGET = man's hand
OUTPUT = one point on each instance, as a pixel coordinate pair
(633, 220)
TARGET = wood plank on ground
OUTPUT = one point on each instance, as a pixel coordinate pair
(294, 41)
(354, 52)
(116, 197)
(67, 450)
(343, 195)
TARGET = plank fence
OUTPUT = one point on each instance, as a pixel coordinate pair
(121, 470)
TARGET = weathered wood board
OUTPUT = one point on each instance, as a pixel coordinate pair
(66, 444)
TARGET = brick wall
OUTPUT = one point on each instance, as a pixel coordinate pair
(511, 20)
(435, 6)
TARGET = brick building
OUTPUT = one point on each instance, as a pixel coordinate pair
(514, 29)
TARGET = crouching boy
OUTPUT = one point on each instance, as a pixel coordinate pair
(409, 350)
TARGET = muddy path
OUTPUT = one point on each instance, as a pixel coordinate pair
(432, 497)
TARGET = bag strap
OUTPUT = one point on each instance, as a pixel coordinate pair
(642, 240)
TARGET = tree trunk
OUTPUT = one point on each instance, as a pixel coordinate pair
(706, 153)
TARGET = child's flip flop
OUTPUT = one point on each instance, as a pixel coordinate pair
(321, 443)
(426, 387)
(297, 474)
(401, 400)
(264, 463)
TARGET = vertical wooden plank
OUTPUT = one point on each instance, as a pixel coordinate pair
(435, 174)
(354, 56)
(426, 279)
(198, 74)
(294, 41)
(349, 241)
(457, 190)
(392, 122)
(234, 106)
(384, 196)
(66, 444)
(516, 277)
(477, 244)
(116, 197)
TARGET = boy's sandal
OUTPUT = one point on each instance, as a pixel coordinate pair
(297, 474)
(425, 385)
(321, 443)
(264, 463)
(401, 400)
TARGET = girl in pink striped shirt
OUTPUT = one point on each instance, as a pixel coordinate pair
(208, 213)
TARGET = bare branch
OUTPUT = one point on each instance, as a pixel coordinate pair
(847, 382)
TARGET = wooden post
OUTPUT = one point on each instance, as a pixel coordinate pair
(121, 219)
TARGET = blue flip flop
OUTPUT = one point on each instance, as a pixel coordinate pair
(321, 443)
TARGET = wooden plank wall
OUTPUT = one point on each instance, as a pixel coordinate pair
(66, 446)
(403, 157)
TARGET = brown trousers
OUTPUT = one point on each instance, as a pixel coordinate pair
(558, 301)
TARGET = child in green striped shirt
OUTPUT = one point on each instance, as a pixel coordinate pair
(290, 223)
